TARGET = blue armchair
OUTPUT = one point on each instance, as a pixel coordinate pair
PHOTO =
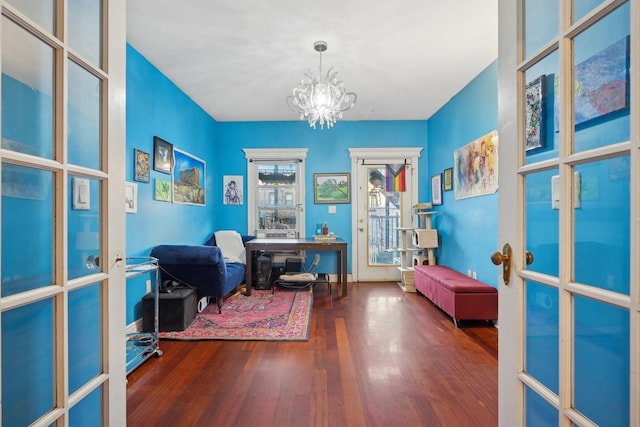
(202, 267)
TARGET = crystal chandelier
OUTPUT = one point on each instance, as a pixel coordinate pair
(321, 98)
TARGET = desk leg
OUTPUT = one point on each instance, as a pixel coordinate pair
(248, 275)
(342, 270)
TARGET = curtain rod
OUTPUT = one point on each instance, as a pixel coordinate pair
(383, 164)
(275, 160)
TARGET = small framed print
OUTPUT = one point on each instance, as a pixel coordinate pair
(535, 114)
(162, 155)
(436, 189)
(447, 179)
(141, 166)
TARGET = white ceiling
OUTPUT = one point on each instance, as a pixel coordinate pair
(240, 59)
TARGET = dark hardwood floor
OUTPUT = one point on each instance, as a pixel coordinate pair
(378, 357)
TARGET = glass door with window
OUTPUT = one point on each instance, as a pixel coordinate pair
(62, 285)
(569, 318)
(380, 212)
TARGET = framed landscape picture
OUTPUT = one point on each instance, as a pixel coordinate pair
(331, 188)
(189, 176)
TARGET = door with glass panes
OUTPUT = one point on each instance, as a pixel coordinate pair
(62, 338)
(569, 320)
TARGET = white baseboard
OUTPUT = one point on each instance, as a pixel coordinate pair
(134, 327)
(333, 278)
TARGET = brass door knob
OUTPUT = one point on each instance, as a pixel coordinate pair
(503, 258)
(528, 257)
(498, 258)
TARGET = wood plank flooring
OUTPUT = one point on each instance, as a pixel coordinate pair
(378, 357)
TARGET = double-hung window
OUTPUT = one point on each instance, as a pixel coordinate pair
(275, 192)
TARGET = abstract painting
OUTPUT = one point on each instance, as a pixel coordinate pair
(534, 114)
(475, 167)
(601, 83)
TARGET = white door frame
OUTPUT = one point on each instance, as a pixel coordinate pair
(358, 155)
(508, 332)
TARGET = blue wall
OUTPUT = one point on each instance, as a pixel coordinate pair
(468, 228)
(328, 152)
(156, 107)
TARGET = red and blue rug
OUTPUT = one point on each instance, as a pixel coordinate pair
(263, 316)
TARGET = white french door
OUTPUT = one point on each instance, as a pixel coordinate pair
(378, 213)
(569, 93)
(62, 314)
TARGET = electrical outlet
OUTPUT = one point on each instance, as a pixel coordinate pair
(148, 286)
(475, 276)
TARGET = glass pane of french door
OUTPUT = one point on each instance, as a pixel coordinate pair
(601, 57)
(28, 361)
(27, 92)
(384, 217)
(41, 11)
(85, 29)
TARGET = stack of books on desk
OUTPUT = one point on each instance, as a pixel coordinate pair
(324, 236)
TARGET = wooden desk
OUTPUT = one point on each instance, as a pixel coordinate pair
(275, 245)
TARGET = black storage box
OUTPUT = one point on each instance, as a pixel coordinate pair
(176, 310)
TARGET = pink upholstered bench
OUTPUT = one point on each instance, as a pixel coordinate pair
(460, 296)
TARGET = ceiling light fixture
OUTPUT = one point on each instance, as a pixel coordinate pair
(321, 98)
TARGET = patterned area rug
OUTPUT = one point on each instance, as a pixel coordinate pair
(263, 316)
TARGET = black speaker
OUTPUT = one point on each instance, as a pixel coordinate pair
(263, 273)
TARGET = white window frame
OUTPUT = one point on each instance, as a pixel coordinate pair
(254, 155)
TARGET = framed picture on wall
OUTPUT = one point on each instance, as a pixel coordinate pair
(447, 179)
(189, 178)
(141, 166)
(535, 114)
(436, 189)
(331, 188)
(162, 155)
